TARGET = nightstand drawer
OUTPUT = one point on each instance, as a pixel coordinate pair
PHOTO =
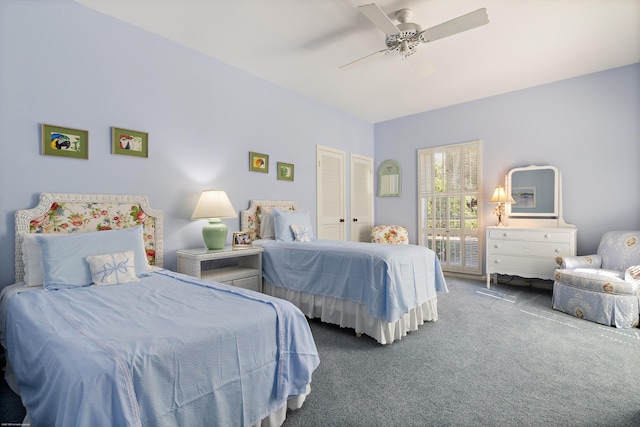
(252, 283)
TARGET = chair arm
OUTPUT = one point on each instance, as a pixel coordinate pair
(585, 261)
(632, 274)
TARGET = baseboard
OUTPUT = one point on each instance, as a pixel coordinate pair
(504, 279)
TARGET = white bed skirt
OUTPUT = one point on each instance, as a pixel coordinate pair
(277, 417)
(349, 314)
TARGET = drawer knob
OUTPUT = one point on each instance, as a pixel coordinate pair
(546, 236)
(557, 250)
(496, 246)
(505, 234)
(496, 261)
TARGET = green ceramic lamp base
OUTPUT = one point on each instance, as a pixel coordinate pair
(215, 234)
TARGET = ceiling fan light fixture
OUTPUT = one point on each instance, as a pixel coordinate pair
(405, 50)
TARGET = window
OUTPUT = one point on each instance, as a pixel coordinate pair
(448, 198)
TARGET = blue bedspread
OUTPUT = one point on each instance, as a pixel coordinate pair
(168, 350)
(388, 279)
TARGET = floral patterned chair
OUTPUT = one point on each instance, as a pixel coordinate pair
(605, 287)
(390, 234)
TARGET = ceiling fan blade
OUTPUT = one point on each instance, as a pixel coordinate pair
(365, 58)
(379, 18)
(455, 26)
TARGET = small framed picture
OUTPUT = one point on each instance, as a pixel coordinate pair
(285, 171)
(65, 142)
(129, 142)
(258, 162)
(242, 239)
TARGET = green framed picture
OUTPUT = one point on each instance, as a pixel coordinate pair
(258, 162)
(65, 142)
(129, 142)
(285, 171)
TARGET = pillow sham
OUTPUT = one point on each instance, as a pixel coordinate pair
(32, 258)
(267, 230)
(301, 233)
(63, 257)
(283, 220)
(113, 269)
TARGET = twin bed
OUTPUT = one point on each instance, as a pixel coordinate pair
(97, 333)
(383, 291)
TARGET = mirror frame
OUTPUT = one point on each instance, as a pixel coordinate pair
(555, 213)
(388, 168)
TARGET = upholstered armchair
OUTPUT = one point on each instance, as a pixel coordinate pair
(390, 234)
(605, 287)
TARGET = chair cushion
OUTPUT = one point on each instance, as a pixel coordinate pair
(597, 280)
(390, 234)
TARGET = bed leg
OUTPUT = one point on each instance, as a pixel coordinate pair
(358, 334)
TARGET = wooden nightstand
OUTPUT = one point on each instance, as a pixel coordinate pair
(240, 267)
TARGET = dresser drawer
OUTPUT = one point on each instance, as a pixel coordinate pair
(531, 235)
(529, 248)
(543, 268)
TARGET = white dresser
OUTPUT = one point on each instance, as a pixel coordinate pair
(527, 252)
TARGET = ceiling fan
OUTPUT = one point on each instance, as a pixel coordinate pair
(405, 37)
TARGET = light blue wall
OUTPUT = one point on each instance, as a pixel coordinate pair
(588, 127)
(68, 65)
(65, 64)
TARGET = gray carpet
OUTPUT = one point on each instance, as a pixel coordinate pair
(494, 358)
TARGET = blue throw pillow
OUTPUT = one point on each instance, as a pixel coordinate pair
(283, 220)
(64, 257)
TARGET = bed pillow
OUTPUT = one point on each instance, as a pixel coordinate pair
(267, 228)
(113, 269)
(301, 233)
(32, 259)
(283, 220)
(64, 258)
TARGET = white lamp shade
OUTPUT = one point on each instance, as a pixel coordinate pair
(214, 204)
(501, 196)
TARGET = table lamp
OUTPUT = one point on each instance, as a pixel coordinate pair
(501, 197)
(214, 205)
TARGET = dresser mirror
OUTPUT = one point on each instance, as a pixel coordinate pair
(535, 190)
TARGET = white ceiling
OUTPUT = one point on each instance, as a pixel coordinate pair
(299, 44)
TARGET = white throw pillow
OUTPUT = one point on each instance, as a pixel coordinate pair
(301, 233)
(113, 269)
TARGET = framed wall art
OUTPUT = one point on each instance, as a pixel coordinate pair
(129, 142)
(525, 197)
(242, 239)
(65, 142)
(285, 171)
(258, 162)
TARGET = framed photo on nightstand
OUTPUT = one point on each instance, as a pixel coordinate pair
(242, 239)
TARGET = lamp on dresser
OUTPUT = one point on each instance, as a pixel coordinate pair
(501, 197)
(214, 205)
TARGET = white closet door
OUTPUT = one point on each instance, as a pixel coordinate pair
(361, 198)
(331, 193)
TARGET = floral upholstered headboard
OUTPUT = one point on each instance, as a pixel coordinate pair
(250, 218)
(82, 213)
